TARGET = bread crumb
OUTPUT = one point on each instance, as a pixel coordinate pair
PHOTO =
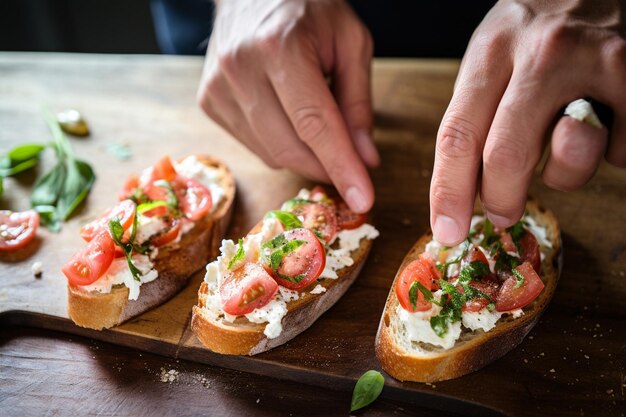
(586, 356)
(169, 376)
(552, 370)
(609, 391)
(258, 400)
(525, 360)
(36, 269)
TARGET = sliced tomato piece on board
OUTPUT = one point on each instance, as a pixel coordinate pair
(91, 263)
(347, 219)
(318, 217)
(246, 288)
(530, 250)
(167, 235)
(129, 187)
(300, 265)
(511, 298)
(415, 271)
(194, 198)
(124, 211)
(489, 286)
(17, 228)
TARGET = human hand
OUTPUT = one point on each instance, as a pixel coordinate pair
(264, 82)
(524, 63)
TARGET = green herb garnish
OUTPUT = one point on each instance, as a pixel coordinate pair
(150, 205)
(367, 389)
(238, 255)
(172, 199)
(519, 278)
(288, 219)
(443, 268)
(289, 205)
(19, 159)
(517, 231)
(117, 233)
(274, 251)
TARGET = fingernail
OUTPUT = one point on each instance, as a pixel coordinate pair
(366, 147)
(446, 230)
(499, 221)
(356, 200)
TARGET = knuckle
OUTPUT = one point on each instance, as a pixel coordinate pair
(270, 43)
(615, 55)
(458, 138)
(359, 111)
(309, 123)
(443, 195)
(506, 156)
(551, 47)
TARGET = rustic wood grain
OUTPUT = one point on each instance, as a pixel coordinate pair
(572, 363)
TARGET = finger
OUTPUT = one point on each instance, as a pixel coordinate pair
(215, 99)
(514, 147)
(352, 84)
(575, 152)
(268, 121)
(317, 121)
(460, 141)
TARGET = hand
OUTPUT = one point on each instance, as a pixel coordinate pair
(264, 82)
(525, 62)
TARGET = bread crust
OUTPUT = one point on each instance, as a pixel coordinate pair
(245, 338)
(480, 348)
(175, 264)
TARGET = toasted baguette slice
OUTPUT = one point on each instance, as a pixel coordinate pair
(175, 264)
(243, 337)
(474, 349)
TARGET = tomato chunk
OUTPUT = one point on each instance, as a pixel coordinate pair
(489, 286)
(415, 271)
(511, 298)
(247, 288)
(168, 235)
(530, 250)
(123, 211)
(91, 263)
(17, 228)
(347, 219)
(194, 198)
(164, 170)
(129, 187)
(298, 267)
(319, 217)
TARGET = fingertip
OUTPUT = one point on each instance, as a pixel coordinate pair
(358, 200)
(447, 231)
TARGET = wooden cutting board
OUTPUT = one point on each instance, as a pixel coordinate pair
(571, 364)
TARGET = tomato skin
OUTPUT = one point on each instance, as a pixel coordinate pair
(164, 170)
(489, 285)
(129, 187)
(530, 250)
(246, 288)
(308, 260)
(123, 211)
(167, 235)
(347, 219)
(17, 229)
(511, 298)
(90, 263)
(418, 271)
(194, 198)
(319, 217)
(474, 254)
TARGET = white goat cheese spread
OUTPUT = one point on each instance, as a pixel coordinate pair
(118, 273)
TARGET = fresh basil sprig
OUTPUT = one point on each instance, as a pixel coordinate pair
(367, 389)
(151, 205)
(288, 219)
(238, 255)
(117, 233)
(20, 159)
(274, 251)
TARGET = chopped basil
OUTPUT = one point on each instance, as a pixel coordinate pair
(238, 255)
(289, 220)
(444, 267)
(517, 231)
(172, 199)
(20, 158)
(151, 205)
(491, 306)
(504, 261)
(489, 234)
(428, 295)
(274, 251)
(367, 389)
(295, 202)
(117, 233)
(518, 277)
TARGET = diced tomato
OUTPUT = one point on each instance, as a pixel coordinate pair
(347, 219)
(247, 288)
(489, 285)
(17, 228)
(432, 267)
(91, 263)
(124, 211)
(304, 265)
(530, 250)
(511, 298)
(318, 193)
(168, 235)
(164, 170)
(415, 271)
(194, 198)
(507, 242)
(318, 217)
(474, 254)
(129, 187)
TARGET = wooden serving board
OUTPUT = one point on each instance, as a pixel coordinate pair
(571, 364)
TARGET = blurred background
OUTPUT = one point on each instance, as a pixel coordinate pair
(400, 28)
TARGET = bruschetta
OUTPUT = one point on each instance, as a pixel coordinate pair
(276, 281)
(167, 225)
(453, 310)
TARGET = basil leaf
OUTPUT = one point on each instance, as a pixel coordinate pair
(473, 270)
(367, 389)
(491, 306)
(519, 278)
(20, 159)
(238, 255)
(444, 267)
(489, 235)
(80, 178)
(48, 217)
(289, 220)
(413, 294)
(25, 152)
(1, 186)
(117, 232)
(517, 231)
(145, 207)
(172, 199)
(274, 251)
(48, 188)
(439, 324)
(295, 202)
(279, 254)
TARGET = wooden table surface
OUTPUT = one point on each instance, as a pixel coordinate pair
(572, 363)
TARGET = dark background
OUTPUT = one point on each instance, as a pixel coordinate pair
(401, 28)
